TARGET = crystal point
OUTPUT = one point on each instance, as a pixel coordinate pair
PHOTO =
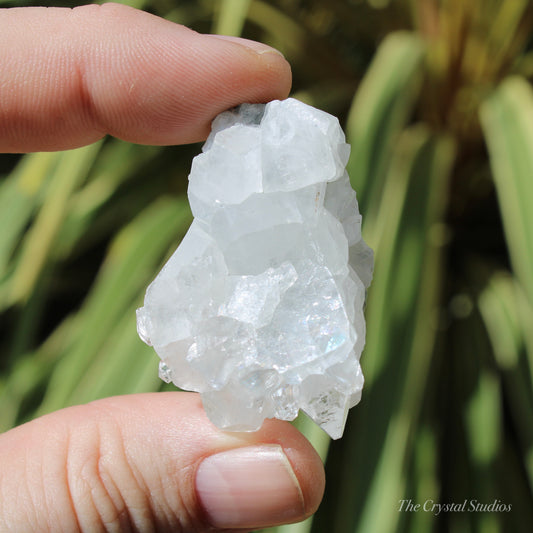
(260, 309)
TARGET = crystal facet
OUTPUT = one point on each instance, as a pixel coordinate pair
(260, 309)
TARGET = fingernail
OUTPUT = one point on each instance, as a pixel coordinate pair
(254, 486)
(259, 48)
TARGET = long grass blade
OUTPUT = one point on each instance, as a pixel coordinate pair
(72, 168)
(400, 335)
(380, 109)
(131, 260)
(507, 119)
(508, 318)
(20, 195)
(231, 17)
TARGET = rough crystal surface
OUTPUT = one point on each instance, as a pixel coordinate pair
(260, 309)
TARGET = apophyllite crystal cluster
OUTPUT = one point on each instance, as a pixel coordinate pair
(260, 309)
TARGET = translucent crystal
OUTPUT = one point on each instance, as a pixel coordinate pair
(260, 309)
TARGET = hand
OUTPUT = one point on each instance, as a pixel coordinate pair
(68, 77)
(148, 462)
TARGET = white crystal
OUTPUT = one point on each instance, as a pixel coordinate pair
(260, 309)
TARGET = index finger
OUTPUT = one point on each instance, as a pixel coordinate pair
(74, 75)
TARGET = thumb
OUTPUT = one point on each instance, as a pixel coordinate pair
(153, 462)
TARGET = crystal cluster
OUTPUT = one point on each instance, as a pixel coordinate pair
(260, 309)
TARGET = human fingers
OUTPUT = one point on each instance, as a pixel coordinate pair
(74, 75)
(153, 462)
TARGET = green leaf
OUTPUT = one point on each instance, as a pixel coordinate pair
(507, 120)
(231, 17)
(72, 168)
(508, 317)
(426, 479)
(119, 365)
(483, 419)
(127, 269)
(380, 110)
(401, 331)
(20, 195)
(473, 432)
(32, 371)
(115, 164)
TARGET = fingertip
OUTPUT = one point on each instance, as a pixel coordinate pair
(231, 71)
(256, 46)
(82, 73)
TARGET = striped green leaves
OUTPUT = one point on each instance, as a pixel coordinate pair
(507, 304)
(56, 208)
(381, 106)
(507, 118)
(401, 321)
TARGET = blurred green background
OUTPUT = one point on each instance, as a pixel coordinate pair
(436, 99)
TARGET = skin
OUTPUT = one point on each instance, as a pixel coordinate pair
(115, 70)
(70, 77)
